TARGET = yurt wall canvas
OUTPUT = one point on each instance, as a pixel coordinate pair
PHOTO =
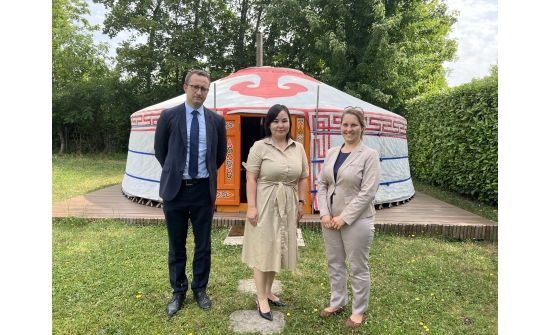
(251, 92)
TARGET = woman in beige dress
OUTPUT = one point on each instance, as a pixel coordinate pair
(276, 186)
(347, 187)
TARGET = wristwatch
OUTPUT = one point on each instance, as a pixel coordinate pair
(302, 201)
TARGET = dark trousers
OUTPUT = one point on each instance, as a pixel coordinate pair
(192, 202)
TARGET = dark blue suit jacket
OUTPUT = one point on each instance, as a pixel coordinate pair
(171, 149)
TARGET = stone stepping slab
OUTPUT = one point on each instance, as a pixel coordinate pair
(247, 321)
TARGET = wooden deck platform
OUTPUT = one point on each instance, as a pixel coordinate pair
(422, 215)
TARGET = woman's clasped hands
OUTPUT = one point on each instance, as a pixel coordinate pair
(329, 222)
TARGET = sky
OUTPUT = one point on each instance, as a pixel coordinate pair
(476, 32)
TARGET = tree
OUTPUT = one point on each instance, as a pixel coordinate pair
(180, 36)
(384, 52)
(76, 60)
(493, 70)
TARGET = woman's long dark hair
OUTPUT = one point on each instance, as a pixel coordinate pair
(272, 114)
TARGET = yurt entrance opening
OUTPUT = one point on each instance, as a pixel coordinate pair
(252, 130)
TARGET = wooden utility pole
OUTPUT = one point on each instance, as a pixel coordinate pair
(259, 49)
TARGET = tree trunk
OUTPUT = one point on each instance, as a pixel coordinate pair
(258, 21)
(108, 147)
(61, 138)
(242, 27)
(177, 79)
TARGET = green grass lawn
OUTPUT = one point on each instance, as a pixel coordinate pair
(74, 175)
(112, 278)
(109, 277)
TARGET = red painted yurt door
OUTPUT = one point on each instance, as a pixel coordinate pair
(229, 177)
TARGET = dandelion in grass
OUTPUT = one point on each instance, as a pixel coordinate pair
(66, 262)
(417, 299)
(425, 327)
(412, 235)
(442, 299)
(315, 310)
(287, 314)
(421, 323)
(432, 294)
(490, 274)
(138, 296)
(413, 261)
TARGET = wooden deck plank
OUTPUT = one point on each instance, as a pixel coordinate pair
(418, 214)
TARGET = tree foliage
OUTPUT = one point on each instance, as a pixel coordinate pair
(178, 35)
(75, 57)
(78, 66)
(453, 138)
(385, 52)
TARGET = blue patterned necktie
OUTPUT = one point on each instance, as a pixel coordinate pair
(194, 146)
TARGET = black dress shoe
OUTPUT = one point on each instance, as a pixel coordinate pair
(268, 316)
(203, 300)
(279, 302)
(175, 304)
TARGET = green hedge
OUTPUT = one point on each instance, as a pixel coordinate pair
(453, 139)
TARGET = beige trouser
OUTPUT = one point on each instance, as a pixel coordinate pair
(354, 242)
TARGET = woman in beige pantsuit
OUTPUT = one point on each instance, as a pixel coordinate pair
(275, 168)
(347, 186)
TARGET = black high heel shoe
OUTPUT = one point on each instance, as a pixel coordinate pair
(279, 302)
(268, 316)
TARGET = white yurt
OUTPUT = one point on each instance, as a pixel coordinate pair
(243, 98)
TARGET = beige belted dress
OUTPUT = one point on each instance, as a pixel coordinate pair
(273, 244)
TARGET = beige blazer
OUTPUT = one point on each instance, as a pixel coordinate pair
(355, 186)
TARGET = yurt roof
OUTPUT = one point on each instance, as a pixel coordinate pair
(256, 89)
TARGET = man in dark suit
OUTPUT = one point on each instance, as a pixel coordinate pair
(190, 145)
